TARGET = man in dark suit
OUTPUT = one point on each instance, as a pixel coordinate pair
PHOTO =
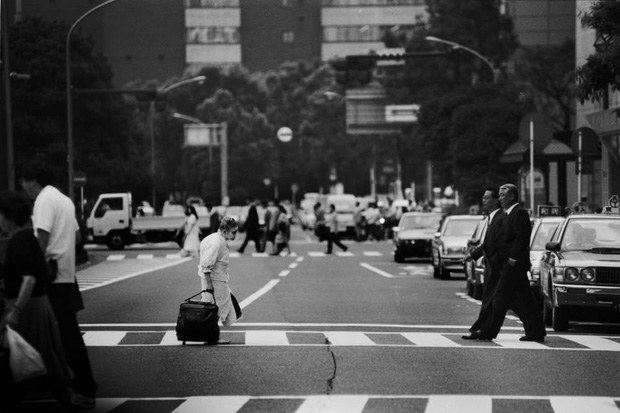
(488, 249)
(513, 289)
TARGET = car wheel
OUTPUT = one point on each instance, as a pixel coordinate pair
(398, 257)
(559, 318)
(115, 241)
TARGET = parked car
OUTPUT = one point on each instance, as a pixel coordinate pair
(413, 237)
(580, 271)
(474, 270)
(450, 243)
(543, 229)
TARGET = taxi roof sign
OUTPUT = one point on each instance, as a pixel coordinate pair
(549, 211)
(613, 206)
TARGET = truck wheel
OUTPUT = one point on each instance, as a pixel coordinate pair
(115, 241)
(559, 319)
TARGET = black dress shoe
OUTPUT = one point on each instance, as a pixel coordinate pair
(536, 339)
(477, 335)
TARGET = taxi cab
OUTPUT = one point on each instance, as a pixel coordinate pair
(580, 269)
(543, 228)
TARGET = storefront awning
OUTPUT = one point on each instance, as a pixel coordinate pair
(554, 151)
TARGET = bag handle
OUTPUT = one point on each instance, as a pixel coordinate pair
(208, 290)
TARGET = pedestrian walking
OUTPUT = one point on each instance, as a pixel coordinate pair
(272, 223)
(213, 270)
(251, 227)
(191, 230)
(57, 231)
(513, 288)
(320, 225)
(28, 310)
(359, 221)
(284, 232)
(332, 225)
(488, 250)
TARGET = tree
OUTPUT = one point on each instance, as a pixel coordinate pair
(602, 69)
(101, 124)
(547, 76)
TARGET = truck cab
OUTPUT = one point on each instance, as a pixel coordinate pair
(110, 220)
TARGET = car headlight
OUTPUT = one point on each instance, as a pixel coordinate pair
(571, 274)
(588, 274)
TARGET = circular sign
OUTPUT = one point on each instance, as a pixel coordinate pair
(285, 134)
(79, 179)
(543, 130)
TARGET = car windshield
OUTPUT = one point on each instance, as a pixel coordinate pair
(543, 234)
(420, 222)
(591, 234)
(460, 227)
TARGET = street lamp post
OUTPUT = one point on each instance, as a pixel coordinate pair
(164, 90)
(467, 49)
(69, 103)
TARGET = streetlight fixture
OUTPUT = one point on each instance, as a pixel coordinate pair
(456, 46)
(164, 90)
(69, 103)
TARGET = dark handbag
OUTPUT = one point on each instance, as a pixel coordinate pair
(179, 238)
(198, 321)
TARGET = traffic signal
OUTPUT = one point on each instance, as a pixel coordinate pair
(340, 67)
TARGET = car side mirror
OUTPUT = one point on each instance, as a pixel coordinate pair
(437, 234)
(395, 229)
(552, 246)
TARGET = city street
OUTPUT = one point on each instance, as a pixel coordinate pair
(349, 332)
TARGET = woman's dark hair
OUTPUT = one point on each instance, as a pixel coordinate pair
(15, 207)
(191, 210)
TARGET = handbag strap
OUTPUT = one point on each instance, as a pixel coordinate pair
(208, 290)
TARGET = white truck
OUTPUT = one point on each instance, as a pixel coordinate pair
(114, 222)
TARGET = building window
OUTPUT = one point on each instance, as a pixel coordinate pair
(288, 37)
(332, 34)
(357, 3)
(203, 4)
(212, 35)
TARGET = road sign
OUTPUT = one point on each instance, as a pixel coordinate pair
(549, 211)
(79, 179)
(285, 134)
(202, 134)
(402, 113)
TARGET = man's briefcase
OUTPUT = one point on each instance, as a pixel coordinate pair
(198, 321)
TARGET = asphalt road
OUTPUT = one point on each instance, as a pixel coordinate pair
(342, 333)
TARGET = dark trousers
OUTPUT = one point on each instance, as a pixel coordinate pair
(488, 292)
(513, 292)
(64, 304)
(251, 236)
(333, 238)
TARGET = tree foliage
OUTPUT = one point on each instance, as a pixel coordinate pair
(602, 68)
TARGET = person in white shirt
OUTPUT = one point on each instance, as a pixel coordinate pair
(213, 270)
(57, 231)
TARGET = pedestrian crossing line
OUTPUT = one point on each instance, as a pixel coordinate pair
(116, 257)
(345, 254)
(316, 254)
(284, 273)
(355, 403)
(250, 338)
(372, 254)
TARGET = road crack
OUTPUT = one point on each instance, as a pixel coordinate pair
(332, 379)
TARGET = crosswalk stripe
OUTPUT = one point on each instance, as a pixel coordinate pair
(266, 338)
(445, 403)
(214, 404)
(107, 338)
(430, 340)
(173, 256)
(344, 254)
(116, 257)
(316, 254)
(145, 256)
(103, 338)
(372, 253)
(329, 404)
(595, 343)
(353, 338)
(464, 404)
(583, 404)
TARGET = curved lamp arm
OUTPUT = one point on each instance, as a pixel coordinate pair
(467, 49)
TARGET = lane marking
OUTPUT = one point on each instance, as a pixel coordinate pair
(299, 259)
(265, 289)
(284, 273)
(372, 254)
(598, 343)
(116, 257)
(316, 254)
(344, 254)
(377, 270)
(293, 265)
(266, 338)
(462, 404)
(135, 274)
